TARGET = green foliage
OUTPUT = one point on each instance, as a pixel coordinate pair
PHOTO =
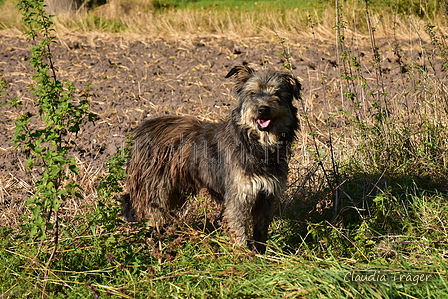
(107, 214)
(102, 24)
(285, 55)
(49, 137)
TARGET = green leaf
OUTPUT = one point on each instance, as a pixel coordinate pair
(74, 169)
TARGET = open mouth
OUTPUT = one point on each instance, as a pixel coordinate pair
(263, 124)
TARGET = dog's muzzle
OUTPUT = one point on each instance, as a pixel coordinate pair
(264, 118)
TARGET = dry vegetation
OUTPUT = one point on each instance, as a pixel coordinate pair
(148, 17)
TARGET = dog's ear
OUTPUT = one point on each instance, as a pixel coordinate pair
(239, 71)
(242, 74)
(293, 85)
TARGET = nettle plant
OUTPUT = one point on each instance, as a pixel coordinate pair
(49, 136)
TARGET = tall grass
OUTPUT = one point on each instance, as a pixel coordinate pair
(161, 18)
(367, 196)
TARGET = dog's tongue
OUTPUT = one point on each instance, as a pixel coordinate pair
(264, 123)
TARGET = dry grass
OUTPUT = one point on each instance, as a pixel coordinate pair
(142, 17)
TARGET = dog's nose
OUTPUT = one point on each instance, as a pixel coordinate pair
(264, 110)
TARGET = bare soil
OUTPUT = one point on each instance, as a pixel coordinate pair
(134, 78)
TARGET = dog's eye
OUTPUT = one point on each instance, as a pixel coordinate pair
(252, 93)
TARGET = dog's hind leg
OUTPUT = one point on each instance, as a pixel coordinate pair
(127, 209)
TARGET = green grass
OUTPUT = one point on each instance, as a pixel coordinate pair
(406, 6)
(244, 5)
(412, 7)
(197, 265)
(398, 252)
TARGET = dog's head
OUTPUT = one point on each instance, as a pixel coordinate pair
(265, 103)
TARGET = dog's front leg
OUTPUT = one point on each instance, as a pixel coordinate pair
(236, 215)
(262, 214)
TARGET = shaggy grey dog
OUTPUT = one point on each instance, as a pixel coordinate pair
(241, 161)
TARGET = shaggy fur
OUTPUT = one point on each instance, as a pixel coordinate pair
(241, 161)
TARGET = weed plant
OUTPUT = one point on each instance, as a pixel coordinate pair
(385, 174)
(48, 138)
